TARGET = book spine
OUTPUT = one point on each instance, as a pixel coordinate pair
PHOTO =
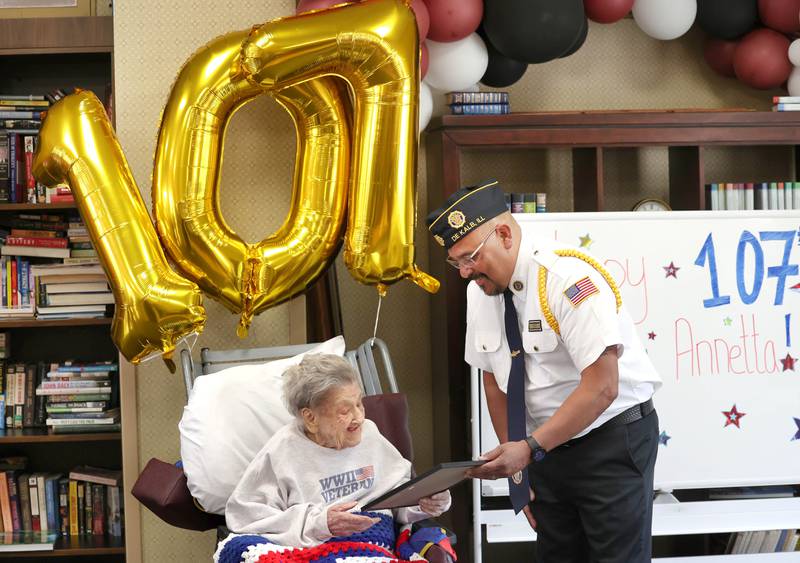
(88, 508)
(50, 486)
(40, 481)
(12, 167)
(19, 401)
(477, 98)
(4, 166)
(13, 499)
(114, 511)
(5, 504)
(20, 114)
(25, 501)
(30, 181)
(74, 529)
(43, 242)
(74, 384)
(81, 508)
(33, 487)
(63, 506)
(98, 509)
(30, 395)
(479, 109)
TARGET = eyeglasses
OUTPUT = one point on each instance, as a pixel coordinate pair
(469, 261)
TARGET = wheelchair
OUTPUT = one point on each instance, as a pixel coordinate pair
(162, 486)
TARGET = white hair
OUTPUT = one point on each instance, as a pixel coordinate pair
(307, 384)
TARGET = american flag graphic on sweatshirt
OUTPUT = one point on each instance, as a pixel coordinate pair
(580, 291)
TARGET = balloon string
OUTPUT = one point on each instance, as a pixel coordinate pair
(377, 317)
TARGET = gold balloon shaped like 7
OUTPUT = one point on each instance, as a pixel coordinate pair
(248, 278)
(373, 45)
(155, 307)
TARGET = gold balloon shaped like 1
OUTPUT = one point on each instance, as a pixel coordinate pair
(373, 45)
(249, 278)
(155, 307)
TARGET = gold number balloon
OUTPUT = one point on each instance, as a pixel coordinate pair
(155, 307)
(248, 278)
(373, 45)
(358, 160)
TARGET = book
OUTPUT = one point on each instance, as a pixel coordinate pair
(37, 251)
(99, 475)
(477, 98)
(75, 391)
(63, 309)
(63, 506)
(27, 540)
(24, 501)
(60, 299)
(74, 529)
(84, 429)
(84, 287)
(479, 109)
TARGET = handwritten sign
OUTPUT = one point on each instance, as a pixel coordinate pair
(716, 300)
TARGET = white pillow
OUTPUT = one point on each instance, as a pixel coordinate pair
(230, 416)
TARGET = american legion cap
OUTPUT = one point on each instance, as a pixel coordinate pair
(465, 210)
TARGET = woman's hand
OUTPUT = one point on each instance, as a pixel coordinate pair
(435, 505)
(343, 523)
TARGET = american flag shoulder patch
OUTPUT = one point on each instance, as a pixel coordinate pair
(578, 292)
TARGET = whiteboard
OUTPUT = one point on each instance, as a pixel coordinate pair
(722, 328)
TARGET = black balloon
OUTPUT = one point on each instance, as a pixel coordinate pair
(502, 71)
(581, 39)
(727, 19)
(533, 31)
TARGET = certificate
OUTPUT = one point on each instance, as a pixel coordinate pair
(435, 480)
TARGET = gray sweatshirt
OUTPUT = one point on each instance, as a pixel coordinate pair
(287, 488)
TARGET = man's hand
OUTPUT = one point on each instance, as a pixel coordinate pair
(435, 505)
(505, 460)
(343, 523)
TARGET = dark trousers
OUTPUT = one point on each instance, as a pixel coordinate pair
(594, 497)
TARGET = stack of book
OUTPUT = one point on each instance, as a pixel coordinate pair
(786, 103)
(753, 195)
(37, 507)
(80, 397)
(478, 103)
(21, 118)
(71, 291)
(79, 242)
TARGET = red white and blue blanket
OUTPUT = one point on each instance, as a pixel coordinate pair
(377, 544)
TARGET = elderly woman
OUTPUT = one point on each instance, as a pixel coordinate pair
(300, 488)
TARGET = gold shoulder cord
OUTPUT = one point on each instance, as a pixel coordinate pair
(548, 314)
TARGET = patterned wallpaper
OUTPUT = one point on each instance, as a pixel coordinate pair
(618, 68)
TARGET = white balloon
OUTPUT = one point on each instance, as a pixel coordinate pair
(425, 106)
(794, 82)
(794, 52)
(456, 65)
(664, 19)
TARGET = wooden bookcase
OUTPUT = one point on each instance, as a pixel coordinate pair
(36, 56)
(592, 140)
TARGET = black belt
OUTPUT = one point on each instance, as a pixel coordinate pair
(636, 412)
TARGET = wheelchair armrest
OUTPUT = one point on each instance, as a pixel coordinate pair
(162, 488)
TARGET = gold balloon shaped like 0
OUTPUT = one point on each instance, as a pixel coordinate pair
(155, 307)
(248, 278)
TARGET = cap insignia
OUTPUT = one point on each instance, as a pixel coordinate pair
(456, 219)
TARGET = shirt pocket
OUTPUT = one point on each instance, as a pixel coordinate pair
(540, 342)
(487, 341)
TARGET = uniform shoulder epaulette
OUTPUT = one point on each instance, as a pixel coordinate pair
(542, 281)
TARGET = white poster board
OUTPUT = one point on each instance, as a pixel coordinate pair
(716, 299)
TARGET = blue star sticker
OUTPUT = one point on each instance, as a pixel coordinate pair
(796, 434)
(663, 438)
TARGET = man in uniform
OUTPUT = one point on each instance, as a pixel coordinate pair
(567, 381)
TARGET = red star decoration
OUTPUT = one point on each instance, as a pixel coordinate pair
(733, 417)
(651, 335)
(788, 362)
(671, 270)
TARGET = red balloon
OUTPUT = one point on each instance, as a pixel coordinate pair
(719, 55)
(781, 15)
(423, 18)
(307, 5)
(761, 59)
(452, 20)
(607, 11)
(423, 60)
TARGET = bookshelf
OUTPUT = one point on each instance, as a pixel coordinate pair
(594, 145)
(38, 55)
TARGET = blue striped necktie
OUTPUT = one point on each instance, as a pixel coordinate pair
(518, 486)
